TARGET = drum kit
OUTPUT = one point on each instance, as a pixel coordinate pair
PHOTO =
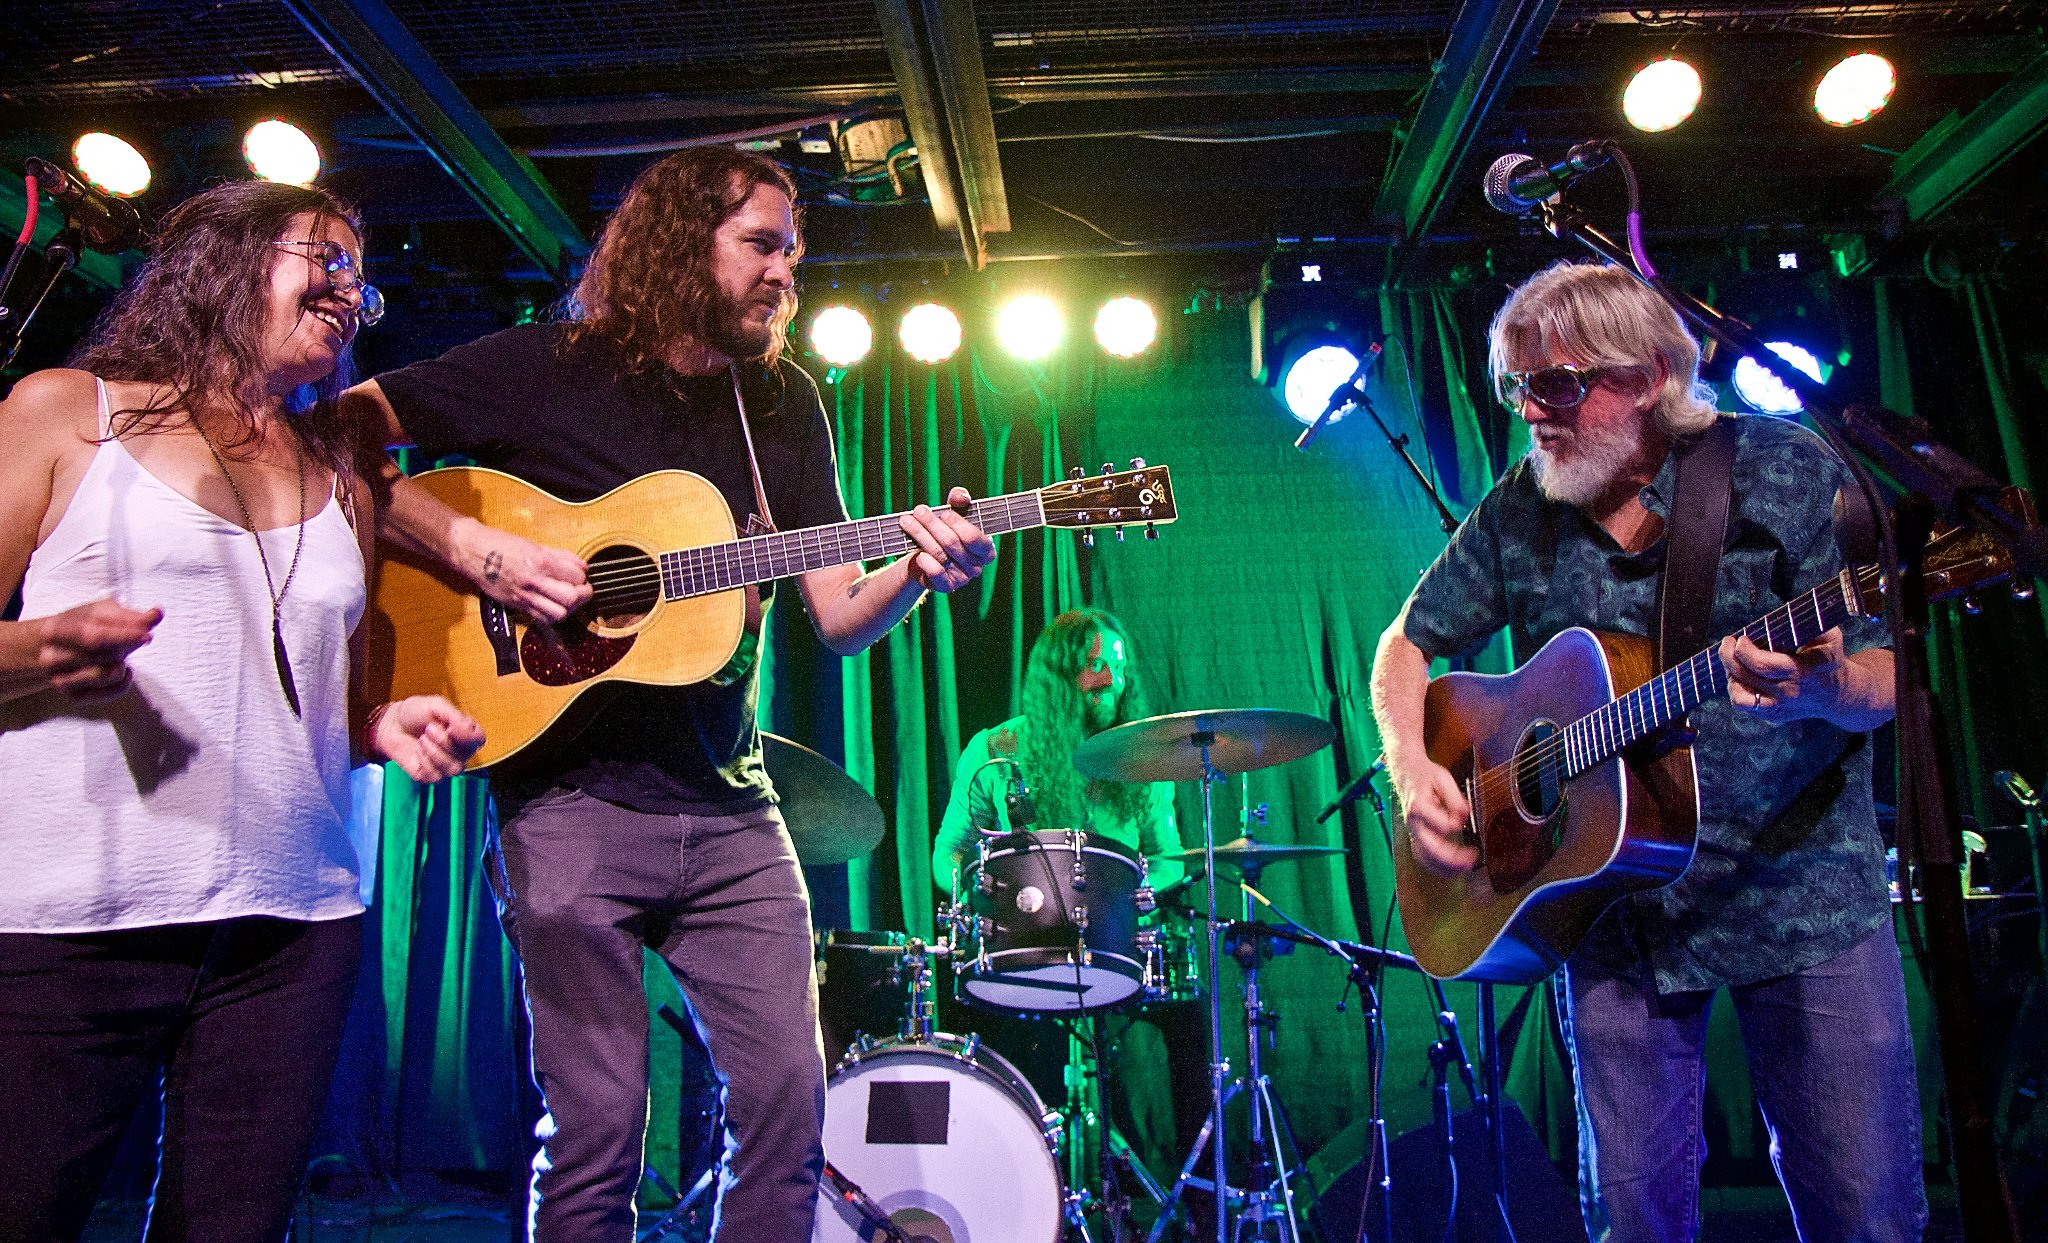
(934, 1137)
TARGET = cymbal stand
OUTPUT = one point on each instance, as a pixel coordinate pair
(1268, 1160)
(1219, 1068)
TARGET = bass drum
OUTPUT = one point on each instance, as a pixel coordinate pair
(947, 1139)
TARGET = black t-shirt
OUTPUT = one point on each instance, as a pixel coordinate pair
(574, 421)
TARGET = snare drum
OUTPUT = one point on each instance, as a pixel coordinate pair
(947, 1139)
(1054, 922)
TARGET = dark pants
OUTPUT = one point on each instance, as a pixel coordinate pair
(244, 1019)
(1831, 1058)
(583, 885)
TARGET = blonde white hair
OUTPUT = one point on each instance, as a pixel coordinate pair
(1597, 315)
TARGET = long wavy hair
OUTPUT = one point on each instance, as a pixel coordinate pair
(1056, 722)
(650, 281)
(193, 320)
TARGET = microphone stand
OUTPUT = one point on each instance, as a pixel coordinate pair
(1927, 479)
(60, 255)
(1444, 519)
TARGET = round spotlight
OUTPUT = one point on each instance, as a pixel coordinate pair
(1313, 377)
(1030, 327)
(1766, 393)
(1125, 327)
(1855, 90)
(929, 332)
(280, 151)
(1663, 93)
(841, 335)
(110, 163)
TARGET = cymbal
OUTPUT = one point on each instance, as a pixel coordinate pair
(1167, 748)
(831, 819)
(1244, 853)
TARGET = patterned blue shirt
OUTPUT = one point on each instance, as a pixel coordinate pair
(1790, 868)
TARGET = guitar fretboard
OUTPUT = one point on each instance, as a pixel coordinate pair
(763, 558)
(1628, 719)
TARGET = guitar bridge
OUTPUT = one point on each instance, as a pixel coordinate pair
(497, 622)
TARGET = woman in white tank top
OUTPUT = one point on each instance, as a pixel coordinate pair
(177, 723)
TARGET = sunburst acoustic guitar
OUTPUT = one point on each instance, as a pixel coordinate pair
(669, 578)
(1573, 801)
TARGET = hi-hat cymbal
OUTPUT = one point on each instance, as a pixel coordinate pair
(831, 819)
(1169, 748)
(1244, 854)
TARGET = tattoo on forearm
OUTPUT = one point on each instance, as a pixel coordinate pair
(494, 561)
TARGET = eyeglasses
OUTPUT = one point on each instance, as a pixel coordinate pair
(1559, 387)
(342, 276)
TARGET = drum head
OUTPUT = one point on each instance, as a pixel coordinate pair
(1048, 981)
(952, 1150)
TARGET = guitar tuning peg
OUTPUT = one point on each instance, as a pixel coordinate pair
(2022, 589)
(1119, 535)
(1087, 539)
(1972, 605)
(1077, 472)
(1109, 468)
(1151, 532)
(1137, 463)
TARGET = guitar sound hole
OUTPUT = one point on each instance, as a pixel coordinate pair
(625, 584)
(1539, 772)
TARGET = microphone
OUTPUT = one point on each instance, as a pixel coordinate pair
(1359, 785)
(1345, 394)
(109, 225)
(2016, 788)
(1023, 812)
(1517, 184)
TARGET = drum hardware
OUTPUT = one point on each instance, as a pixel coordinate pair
(830, 817)
(870, 1212)
(1204, 746)
(1049, 934)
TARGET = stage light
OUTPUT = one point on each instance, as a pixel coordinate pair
(841, 335)
(1855, 90)
(280, 151)
(1313, 377)
(1030, 327)
(1662, 94)
(1766, 393)
(1125, 327)
(111, 164)
(929, 332)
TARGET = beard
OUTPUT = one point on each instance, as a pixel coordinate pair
(732, 332)
(1588, 462)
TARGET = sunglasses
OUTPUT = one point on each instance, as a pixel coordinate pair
(1558, 387)
(342, 276)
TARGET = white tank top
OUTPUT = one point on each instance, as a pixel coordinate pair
(195, 795)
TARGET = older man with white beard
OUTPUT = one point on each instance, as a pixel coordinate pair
(1785, 902)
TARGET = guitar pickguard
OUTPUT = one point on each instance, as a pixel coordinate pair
(554, 657)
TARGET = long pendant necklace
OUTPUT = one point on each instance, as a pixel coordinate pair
(276, 594)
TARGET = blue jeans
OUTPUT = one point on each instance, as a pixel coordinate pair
(1831, 1059)
(583, 885)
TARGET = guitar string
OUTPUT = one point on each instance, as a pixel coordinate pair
(1506, 775)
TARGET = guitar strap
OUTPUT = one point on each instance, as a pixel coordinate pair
(1698, 530)
(764, 516)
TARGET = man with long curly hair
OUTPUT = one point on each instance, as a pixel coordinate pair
(656, 827)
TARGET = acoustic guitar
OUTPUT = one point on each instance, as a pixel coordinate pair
(1581, 787)
(668, 577)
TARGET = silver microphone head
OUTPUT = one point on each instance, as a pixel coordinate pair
(1500, 177)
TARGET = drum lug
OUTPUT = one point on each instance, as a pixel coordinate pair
(968, 1048)
(1080, 873)
(1081, 917)
(1147, 901)
(985, 884)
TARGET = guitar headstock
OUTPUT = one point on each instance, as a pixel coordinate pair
(1959, 561)
(1142, 495)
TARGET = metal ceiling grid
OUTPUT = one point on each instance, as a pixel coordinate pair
(496, 39)
(58, 52)
(1114, 30)
(1868, 18)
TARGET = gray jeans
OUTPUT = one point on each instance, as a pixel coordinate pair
(582, 886)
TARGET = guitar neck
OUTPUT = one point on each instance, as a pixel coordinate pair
(1628, 719)
(763, 558)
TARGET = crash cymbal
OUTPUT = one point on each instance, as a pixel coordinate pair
(1244, 854)
(1168, 748)
(831, 819)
